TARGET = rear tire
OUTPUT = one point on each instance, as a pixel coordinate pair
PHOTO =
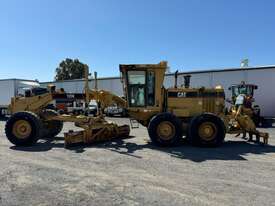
(23, 128)
(165, 129)
(206, 130)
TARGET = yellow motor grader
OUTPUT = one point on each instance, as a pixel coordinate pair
(171, 113)
(168, 113)
(30, 120)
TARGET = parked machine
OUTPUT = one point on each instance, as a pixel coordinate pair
(249, 107)
(170, 113)
(30, 120)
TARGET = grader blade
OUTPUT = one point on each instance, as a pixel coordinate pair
(93, 135)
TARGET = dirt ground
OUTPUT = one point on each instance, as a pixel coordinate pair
(134, 172)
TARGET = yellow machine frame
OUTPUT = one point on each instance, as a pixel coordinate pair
(168, 113)
(180, 107)
(29, 109)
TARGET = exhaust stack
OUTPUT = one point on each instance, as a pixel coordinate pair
(187, 81)
(176, 79)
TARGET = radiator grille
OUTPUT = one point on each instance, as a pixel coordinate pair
(209, 105)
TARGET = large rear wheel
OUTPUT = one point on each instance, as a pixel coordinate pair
(165, 129)
(206, 130)
(23, 128)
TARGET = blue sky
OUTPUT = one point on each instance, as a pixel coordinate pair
(36, 35)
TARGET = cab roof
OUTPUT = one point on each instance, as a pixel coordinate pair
(161, 65)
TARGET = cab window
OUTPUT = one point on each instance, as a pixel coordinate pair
(136, 81)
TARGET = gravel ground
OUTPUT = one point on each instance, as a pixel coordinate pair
(134, 172)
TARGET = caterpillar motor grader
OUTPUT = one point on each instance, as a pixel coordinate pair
(171, 113)
(30, 120)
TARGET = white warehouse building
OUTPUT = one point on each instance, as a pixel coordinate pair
(263, 76)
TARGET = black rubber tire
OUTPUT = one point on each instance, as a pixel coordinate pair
(33, 120)
(193, 133)
(152, 129)
(51, 128)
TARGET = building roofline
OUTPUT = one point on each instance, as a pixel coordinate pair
(183, 72)
(75, 80)
(226, 70)
(15, 79)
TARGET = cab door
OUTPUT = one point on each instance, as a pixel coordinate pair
(137, 88)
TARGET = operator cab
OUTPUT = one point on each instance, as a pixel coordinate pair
(33, 91)
(141, 88)
(245, 89)
(142, 84)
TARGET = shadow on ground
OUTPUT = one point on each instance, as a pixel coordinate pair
(230, 150)
(42, 145)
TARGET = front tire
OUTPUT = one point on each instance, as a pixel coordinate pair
(206, 130)
(165, 129)
(23, 128)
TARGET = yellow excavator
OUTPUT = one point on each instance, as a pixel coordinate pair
(30, 120)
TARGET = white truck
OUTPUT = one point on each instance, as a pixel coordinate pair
(10, 88)
(78, 107)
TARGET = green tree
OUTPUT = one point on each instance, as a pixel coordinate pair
(70, 69)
